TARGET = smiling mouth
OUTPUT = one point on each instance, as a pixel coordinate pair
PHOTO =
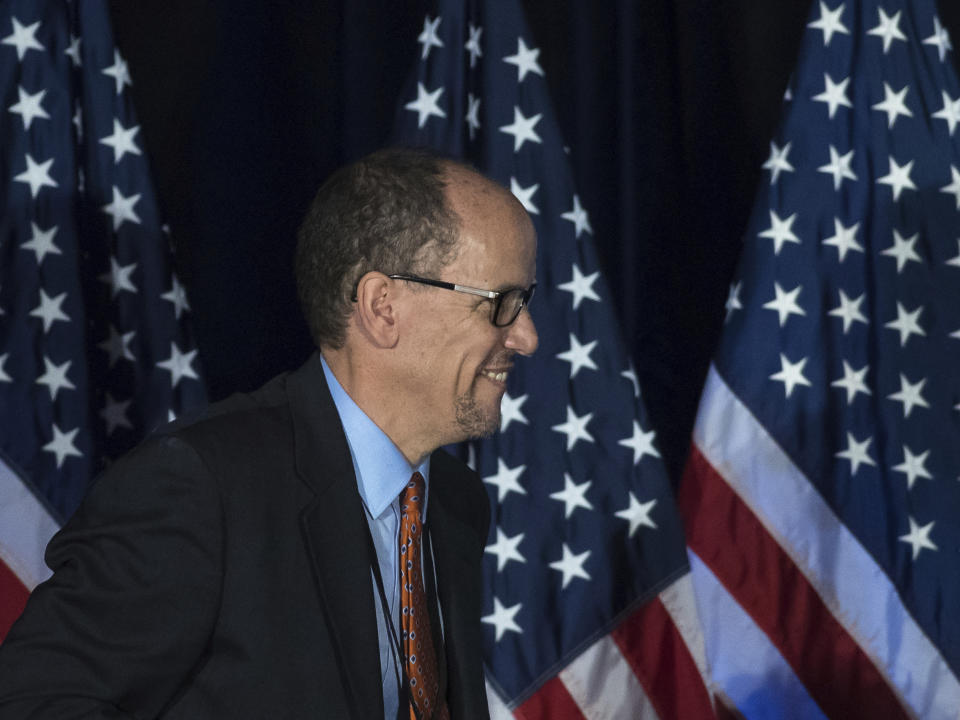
(498, 376)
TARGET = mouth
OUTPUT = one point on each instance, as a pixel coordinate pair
(496, 375)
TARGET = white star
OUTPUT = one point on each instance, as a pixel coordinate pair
(121, 208)
(844, 239)
(780, 231)
(790, 374)
(578, 356)
(631, 375)
(119, 278)
(178, 296)
(525, 60)
(525, 195)
(785, 303)
(907, 323)
(853, 381)
(179, 365)
(638, 514)
(428, 37)
(78, 123)
(839, 167)
(898, 178)
(913, 466)
(857, 453)
(3, 374)
(118, 71)
(55, 377)
(23, 38)
(955, 261)
(473, 44)
(522, 128)
(572, 496)
(950, 112)
(41, 242)
(888, 28)
(37, 175)
(919, 537)
(49, 309)
(733, 299)
(909, 395)
(503, 619)
(114, 414)
(849, 311)
(62, 445)
(954, 187)
(777, 162)
(506, 480)
(73, 52)
(940, 38)
(903, 250)
(829, 23)
(426, 104)
(118, 346)
(571, 565)
(578, 216)
(121, 140)
(894, 104)
(28, 107)
(581, 287)
(510, 411)
(505, 548)
(473, 111)
(575, 428)
(834, 94)
(640, 442)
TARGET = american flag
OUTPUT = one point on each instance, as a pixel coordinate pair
(94, 348)
(822, 499)
(588, 609)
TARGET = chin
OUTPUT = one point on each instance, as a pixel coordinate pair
(473, 421)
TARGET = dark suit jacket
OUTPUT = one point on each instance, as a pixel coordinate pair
(221, 571)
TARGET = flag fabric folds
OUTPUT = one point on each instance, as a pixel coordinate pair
(821, 499)
(94, 345)
(588, 610)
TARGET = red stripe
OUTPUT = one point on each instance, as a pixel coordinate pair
(13, 597)
(551, 701)
(661, 660)
(729, 538)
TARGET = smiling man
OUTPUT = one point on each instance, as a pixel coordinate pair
(306, 550)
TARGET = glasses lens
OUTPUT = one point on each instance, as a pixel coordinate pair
(511, 303)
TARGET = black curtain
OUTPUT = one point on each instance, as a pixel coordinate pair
(668, 107)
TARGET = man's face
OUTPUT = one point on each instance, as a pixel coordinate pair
(464, 360)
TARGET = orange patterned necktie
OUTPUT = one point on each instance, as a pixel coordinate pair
(420, 657)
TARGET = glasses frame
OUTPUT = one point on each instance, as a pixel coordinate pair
(495, 295)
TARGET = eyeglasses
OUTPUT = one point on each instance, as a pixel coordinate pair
(507, 304)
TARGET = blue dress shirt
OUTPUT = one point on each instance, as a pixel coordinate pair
(382, 473)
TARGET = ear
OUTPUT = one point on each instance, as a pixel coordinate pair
(376, 309)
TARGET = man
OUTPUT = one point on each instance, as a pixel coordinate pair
(268, 559)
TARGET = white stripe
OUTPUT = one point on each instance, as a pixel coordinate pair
(498, 710)
(748, 668)
(25, 529)
(604, 686)
(681, 606)
(851, 584)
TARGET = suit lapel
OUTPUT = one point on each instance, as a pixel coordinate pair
(334, 528)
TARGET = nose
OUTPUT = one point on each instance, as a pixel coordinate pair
(522, 334)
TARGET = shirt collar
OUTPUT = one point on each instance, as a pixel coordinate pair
(382, 470)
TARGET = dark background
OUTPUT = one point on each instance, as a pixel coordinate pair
(668, 107)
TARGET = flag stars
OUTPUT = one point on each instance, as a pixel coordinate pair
(888, 28)
(522, 128)
(62, 446)
(906, 323)
(898, 178)
(838, 167)
(830, 22)
(909, 395)
(790, 374)
(844, 239)
(903, 250)
(426, 105)
(849, 311)
(23, 38)
(578, 356)
(121, 208)
(29, 107)
(581, 287)
(119, 278)
(834, 95)
(918, 538)
(777, 161)
(780, 231)
(41, 242)
(37, 175)
(893, 104)
(572, 496)
(472, 45)
(571, 566)
(179, 365)
(578, 216)
(505, 548)
(510, 411)
(73, 51)
(428, 37)
(857, 453)
(575, 428)
(118, 71)
(640, 442)
(525, 195)
(913, 466)
(177, 296)
(502, 619)
(525, 60)
(940, 39)
(631, 375)
(955, 261)
(853, 381)
(55, 377)
(50, 310)
(954, 187)
(950, 112)
(785, 303)
(114, 414)
(117, 346)
(4, 377)
(473, 114)
(506, 480)
(733, 300)
(638, 514)
(121, 140)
